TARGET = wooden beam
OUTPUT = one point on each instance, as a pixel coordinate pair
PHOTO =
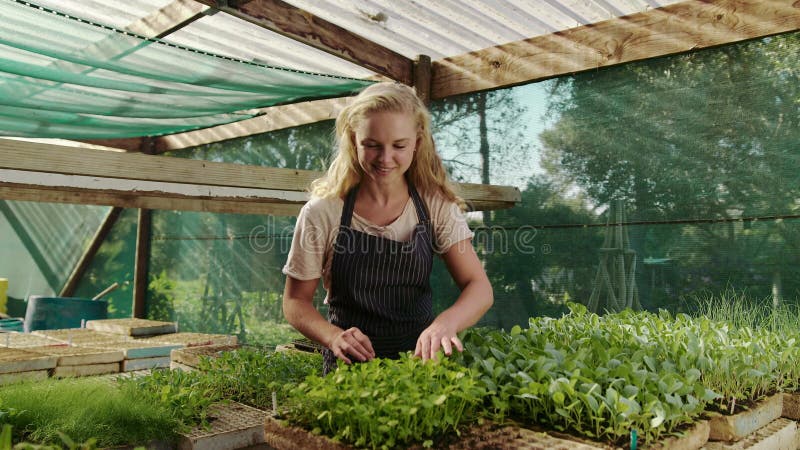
(422, 78)
(99, 237)
(38, 157)
(130, 200)
(44, 172)
(141, 263)
(677, 28)
(302, 26)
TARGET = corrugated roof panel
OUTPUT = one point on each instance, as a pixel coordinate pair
(226, 35)
(449, 27)
(438, 29)
(116, 14)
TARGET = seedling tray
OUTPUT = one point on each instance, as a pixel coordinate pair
(130, 365)
(24, 340)
(233, 426)
(16, 377)
(79, 356)
(737, 426)
(780, 434)
(190, 356)
(189, 339)
(16, 360)
(132, 327)
(85, 370)
(78, 336)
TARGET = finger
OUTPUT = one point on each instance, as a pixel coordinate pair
(448, 349)
(340, 355)
(418, 349)
(352, 347)
(435, 345)
(426, 348)
(458, 343)
(366, 344)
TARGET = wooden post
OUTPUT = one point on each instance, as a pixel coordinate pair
(422, 78)
(143, 241)
(80, 268)
(143, 231)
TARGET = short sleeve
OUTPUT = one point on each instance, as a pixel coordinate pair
(449, 224)
(306, 257)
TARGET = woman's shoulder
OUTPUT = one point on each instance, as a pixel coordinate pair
(323, 208)
(436, 200)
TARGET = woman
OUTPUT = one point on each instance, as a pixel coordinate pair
(370, 231)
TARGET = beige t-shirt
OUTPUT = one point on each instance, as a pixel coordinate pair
(311, 253)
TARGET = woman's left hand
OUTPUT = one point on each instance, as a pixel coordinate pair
(434, 337)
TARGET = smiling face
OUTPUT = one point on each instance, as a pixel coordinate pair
(385, 143)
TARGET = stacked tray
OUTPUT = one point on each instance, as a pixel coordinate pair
(192, 339)
(22, 365)
(75, 361)
(24, 340)
(137, 354)
(189, 358)
(132, 327)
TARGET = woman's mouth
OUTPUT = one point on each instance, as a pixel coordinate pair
(382, 170)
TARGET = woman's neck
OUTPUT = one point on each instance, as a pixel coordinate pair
(383, 195)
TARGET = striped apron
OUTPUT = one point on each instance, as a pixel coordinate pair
(381, 286)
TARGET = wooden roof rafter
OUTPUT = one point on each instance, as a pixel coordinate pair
(302, 26)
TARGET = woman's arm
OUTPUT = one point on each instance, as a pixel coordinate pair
(299, 310)
(476, 298)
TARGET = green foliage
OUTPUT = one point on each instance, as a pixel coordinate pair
(186, 395)
(250, 376)
(388, 403)
(600, 377)
(85, 408)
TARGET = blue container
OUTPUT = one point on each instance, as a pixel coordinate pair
(54, 313)
(10, 325)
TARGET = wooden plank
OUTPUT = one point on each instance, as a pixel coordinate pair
(44, 172)
(132, 327)
(97, 240)
(302, 26)
(676, 28)
(85, 370)
(129, 200)
(38, 157)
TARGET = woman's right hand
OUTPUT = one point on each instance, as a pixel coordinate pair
(352, 342)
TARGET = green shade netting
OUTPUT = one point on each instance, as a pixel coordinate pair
(64, 77)
(40, 243)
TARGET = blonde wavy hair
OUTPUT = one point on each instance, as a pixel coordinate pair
(426, 173)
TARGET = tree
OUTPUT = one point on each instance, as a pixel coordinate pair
(705, 138)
